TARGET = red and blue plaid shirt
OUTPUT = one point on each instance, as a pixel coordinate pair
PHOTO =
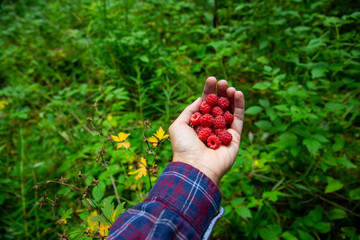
(183, 204)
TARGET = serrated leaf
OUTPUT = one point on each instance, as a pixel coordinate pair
(253, 110)
(288, 139)
(318, 72)
(320, 138)
(262, 85)
(237, 201)
(118, 211)
(98, 191)
(322, 227)
(355, 194)
(333, 185)
(263, 125)
(108, 209)
(267, 234)
(312, 145)
(100, 219)
(304, 235)
(144, 58)
(289, 236)
(282, 108)
(337, 213)
(243, 211)
(265, 103)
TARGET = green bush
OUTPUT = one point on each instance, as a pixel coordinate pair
(297, 62)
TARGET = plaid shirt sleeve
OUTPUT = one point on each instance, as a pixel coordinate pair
(183, 204)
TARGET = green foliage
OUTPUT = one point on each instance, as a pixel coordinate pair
(298, 63)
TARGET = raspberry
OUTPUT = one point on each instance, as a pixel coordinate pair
(205, 108)
(228, 117)
(225, 137)
(223, 102)
(217, 111)
(218, 130)
(212, 100)
(198, 129)
(219, 122)
(205, 134)
(213, 142)
(195, 119)
(207, 120)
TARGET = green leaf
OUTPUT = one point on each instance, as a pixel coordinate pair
(243, 211)
(333, 185)
(100, 219)
(282, 108)
(322, 227)
(338, 145)
(304, 235)
(355, 194)
(318, 72)
(253, 110)
(119, 210)
(263, 125)
(288, 236)
(237, 201)
(288, 139)
(332, 106)
(108, 209)
(337, 213)
(144, 58)
(320, 138)
(99, 191)
(262, 85)
(273, 195)
(312, 145)
(265, 103)
(267, 234)
(263, 60)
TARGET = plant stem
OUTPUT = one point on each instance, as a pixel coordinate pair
(114, 185)
(23, 200)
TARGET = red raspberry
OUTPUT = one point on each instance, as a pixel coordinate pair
(219, 122)
(223, 102)
(207, 120)
(205, 108)
(213, 142)
(225, 137)
(198, 129)
(212, 100)
(218, 130)
(228, 117)
(205, 134)
(217, 111)
(195, 119)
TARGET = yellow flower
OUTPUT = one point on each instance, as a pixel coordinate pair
(94, 226)
(158, 137)
(4, 103)
(141, 171)
(120, 138)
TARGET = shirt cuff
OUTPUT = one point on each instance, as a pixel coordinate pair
(193, 195)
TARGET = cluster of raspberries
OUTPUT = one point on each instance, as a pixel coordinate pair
(212, 121)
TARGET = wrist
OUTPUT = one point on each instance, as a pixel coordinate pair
(208, 172)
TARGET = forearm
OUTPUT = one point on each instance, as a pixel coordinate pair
(182, 204)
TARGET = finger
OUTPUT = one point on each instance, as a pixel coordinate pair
(230, 95)
(188, 111)
(210, 87)
(222, 85)
(239, 109)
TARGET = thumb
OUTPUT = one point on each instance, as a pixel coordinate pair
(188, 111)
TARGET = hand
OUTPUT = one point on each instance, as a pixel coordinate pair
(188, 148)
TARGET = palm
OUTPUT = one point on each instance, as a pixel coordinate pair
(188, 148)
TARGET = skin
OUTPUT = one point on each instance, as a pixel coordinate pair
(188, 148)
